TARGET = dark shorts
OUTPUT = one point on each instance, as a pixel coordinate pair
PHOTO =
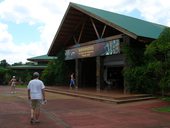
(72, 82)
(13, 84)
(35, 103)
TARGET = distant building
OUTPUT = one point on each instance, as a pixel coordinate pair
(42, 60)
(23, 72)
(37, 63)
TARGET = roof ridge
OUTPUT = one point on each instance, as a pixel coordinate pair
(130, 24)
(72, 4)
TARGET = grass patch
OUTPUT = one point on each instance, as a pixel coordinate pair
(162, 109)
(21, 86)
(165, 108)
(166, 99)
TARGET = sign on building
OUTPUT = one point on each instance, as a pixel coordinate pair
(99, 49)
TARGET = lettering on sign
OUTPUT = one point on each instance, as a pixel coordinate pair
(99, 49)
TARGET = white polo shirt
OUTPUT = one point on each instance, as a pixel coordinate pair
(35, 86)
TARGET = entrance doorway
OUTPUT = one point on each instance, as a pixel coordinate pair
(113, 78)
(88, 78)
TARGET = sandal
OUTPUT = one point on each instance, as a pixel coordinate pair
(37, 121)
(32, 121)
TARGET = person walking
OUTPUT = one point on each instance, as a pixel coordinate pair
(13, 84)
(72, 81)
(36, 95)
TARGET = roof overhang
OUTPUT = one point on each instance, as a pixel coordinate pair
(42, 58)
(76, 15)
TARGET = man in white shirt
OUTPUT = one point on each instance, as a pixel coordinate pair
(36, 94)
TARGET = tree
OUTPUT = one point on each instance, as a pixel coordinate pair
(18, 63)
(134, 54)
(3, 63)
(4, 72)
(150, 74)
(159, 53)
(56, 71)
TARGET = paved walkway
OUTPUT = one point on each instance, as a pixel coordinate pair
(63, 111)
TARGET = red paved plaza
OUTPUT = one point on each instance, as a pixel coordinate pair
(63, 111)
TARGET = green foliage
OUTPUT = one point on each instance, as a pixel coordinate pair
(21, 86)
(56, 71)
(133, 73)
(167, 99)
(161, 46)
(3, 75)
(140, 79)
(4, 72)
(24, 76)
(3, 63)
(134, 53)
(18, 63)
(151, 74)
(49, 74)
(159, 51)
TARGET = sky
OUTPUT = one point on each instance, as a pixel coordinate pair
(27, 27)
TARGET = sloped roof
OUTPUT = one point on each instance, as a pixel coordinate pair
(77, 14)
(136, 26)
(42, 58)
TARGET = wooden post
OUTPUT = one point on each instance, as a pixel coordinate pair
(99, 73)
(77, 72)
(126, 40)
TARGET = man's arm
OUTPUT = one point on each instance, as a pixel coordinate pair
(43, 94)
(29, 97)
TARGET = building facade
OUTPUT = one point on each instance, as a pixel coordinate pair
(93, 39)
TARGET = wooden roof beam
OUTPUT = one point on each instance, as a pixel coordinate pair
(103, 31)
(81, 32)
(94, 26)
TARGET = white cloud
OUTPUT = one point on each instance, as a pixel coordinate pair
(23, 11)
(155, 10)
(50, 13)
(5, 36)
(16, 53)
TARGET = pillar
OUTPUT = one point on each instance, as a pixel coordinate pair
(78, 72)
(126, 40)
(99, 72)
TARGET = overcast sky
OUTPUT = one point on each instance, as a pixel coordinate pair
(27, 27)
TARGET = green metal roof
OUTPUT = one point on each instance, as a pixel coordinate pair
(77, 15)
(42, 58)
(133, 25)
(28, 67)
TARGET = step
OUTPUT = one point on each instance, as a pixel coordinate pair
(135, 99)
(82, 95)
(99, 94)
(101, 97)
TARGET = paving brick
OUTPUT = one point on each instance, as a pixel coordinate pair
(63, 111)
